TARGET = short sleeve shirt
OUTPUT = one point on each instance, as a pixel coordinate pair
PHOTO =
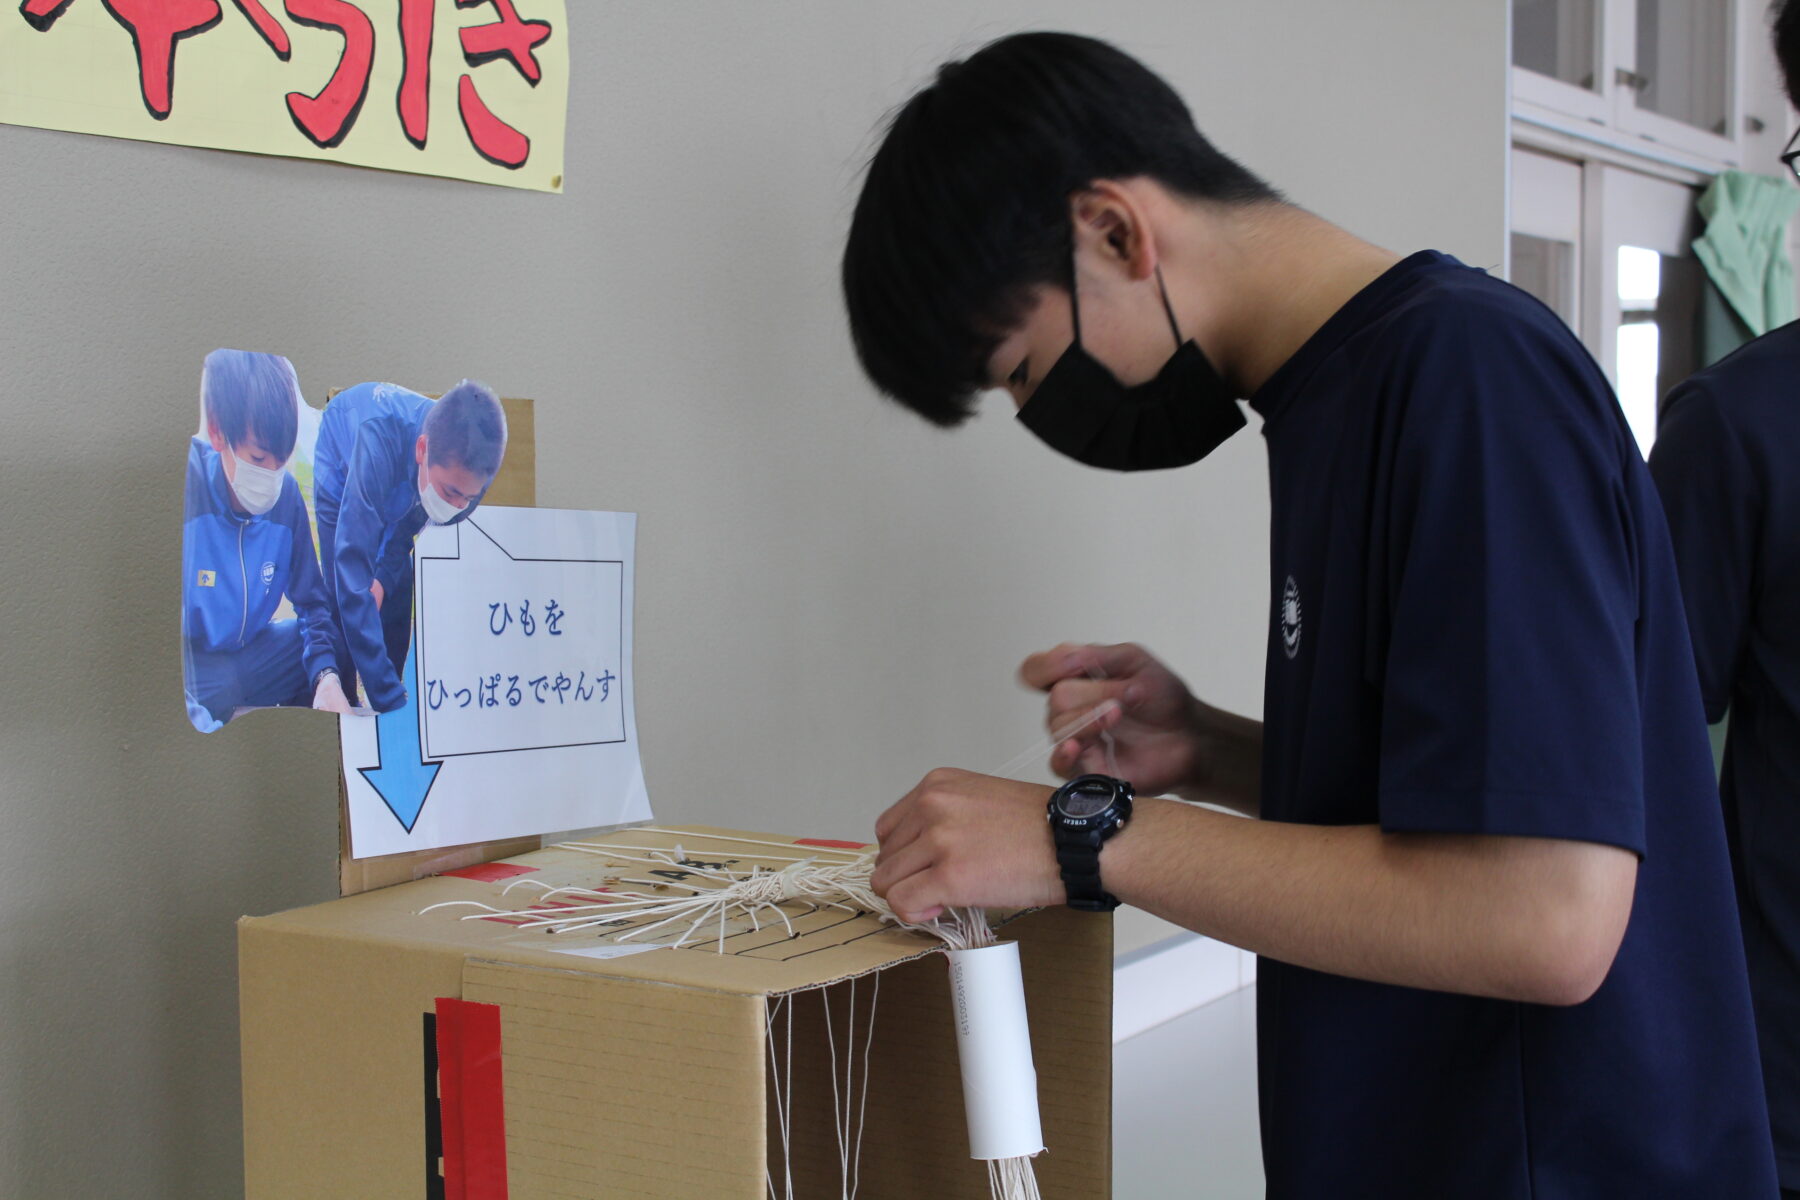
(1477, 629)
(1727, 462)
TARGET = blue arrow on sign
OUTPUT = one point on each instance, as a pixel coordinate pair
(401, 776)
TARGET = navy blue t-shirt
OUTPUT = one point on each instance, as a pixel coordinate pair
(1478, 629)
(1727, 462)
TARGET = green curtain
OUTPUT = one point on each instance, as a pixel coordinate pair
(1750, 279)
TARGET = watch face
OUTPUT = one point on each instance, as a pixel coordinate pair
(1087, 799)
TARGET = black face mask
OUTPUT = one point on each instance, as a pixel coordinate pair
(1082, 410)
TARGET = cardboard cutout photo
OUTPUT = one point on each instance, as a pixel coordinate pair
(298, 533)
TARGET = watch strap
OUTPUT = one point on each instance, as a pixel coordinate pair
(1078, 860)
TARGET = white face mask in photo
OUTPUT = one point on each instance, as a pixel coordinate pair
(256, 488)
(438, 510)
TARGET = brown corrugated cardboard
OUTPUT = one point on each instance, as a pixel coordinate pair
(646, 1075)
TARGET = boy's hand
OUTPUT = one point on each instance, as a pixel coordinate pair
(377, 591)
(965, 839)
(329, 695)
(1156, 722)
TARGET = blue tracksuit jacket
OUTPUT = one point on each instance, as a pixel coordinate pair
(366, 495)
(237, 567)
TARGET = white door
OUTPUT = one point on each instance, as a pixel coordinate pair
(1643, 303)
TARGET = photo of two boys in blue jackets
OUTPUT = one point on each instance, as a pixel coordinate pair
(280, 609)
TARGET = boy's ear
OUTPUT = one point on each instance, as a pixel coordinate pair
(216, 438)
(419, 450)
(1108, 220)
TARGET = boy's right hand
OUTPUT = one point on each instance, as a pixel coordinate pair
(329, 695)
(1157, 724)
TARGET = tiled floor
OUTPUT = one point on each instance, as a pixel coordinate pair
(1184, 1107)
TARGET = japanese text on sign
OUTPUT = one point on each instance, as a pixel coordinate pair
(518, 654)
(487, 691)
(252, 68)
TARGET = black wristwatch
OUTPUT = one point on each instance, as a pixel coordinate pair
(1084, 812)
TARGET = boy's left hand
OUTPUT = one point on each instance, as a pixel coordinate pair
(959, 838)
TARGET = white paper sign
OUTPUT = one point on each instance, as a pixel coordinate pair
(519, 716)
(519, 654)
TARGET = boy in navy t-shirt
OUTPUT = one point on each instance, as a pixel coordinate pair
(1489, 884)
(1727, 463)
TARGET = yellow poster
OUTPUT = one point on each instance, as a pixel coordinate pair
(470, 89)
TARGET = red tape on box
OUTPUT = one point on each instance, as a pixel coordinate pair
(471, 1100)
(831, 844)
(492, 872)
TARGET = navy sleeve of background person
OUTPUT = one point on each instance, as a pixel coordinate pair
(393, 567)
(361, 533)
(1710, 496)
(1485, 637)
(305, 586)
(1509, 681)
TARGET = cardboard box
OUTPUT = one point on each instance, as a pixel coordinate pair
(384, 1050)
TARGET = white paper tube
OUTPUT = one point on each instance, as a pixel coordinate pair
(993, 1041)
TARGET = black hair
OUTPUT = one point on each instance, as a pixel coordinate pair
(1787, 45)
(246, 393)
(467, 427)
(966, 204)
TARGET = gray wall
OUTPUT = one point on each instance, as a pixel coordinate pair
(832, 597)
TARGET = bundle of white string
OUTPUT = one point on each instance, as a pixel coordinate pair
(721, 894)
(754, 894)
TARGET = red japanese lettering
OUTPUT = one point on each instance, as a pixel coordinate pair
(328, 117)
(492, 138)
(155, 26)
(268, 27)
(417, 17)
(510, 38)
(42, 14)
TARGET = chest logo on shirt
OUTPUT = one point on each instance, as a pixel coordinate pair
(268, 573)
(207, 579)
(1290, 617)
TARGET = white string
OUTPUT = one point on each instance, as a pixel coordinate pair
(850, 1103)
(726, 837)
(1106, 735)
(863, 1107)
(787, 1115)
(612, 850)
(781, 1079)
(849, 1085)
(844, 886)
(781, 1088)
(837, 1125)
(1012, 1177)
(1025, 759)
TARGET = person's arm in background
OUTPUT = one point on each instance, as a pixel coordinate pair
(360, 533)
(1713, 502)
(194, 509)
(395, 561)
(306, 591)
